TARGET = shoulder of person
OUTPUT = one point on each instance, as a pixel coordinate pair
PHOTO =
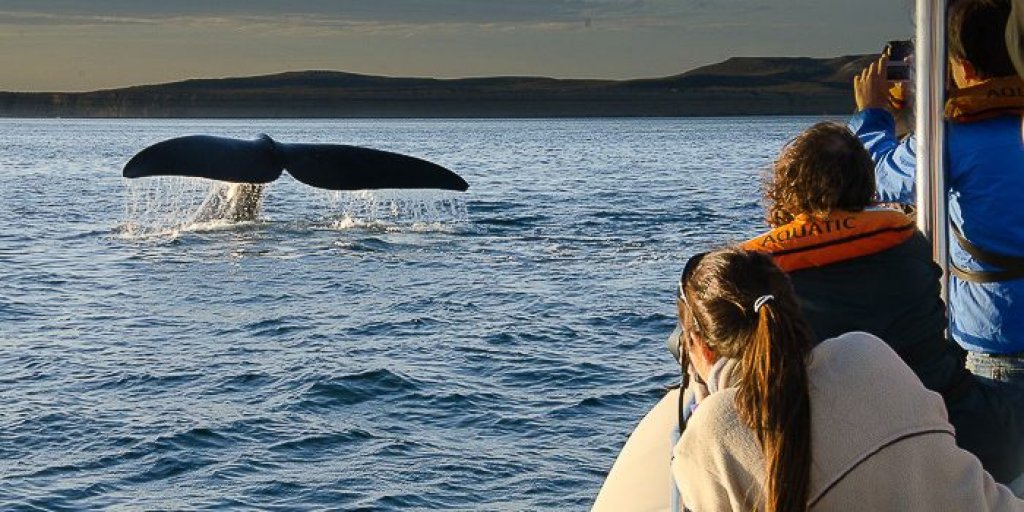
(857, 373)
(718, 463)
(715, 426)
(854, 345)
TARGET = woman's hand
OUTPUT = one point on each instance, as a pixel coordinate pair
(870, 88)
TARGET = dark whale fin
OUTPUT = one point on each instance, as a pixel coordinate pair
(205, 156)
(329, 166)
(338, 167)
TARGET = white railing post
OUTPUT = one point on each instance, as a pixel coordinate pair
(930, 87)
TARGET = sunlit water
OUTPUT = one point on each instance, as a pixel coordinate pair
(377, 351)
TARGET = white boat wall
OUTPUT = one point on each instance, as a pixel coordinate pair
(641, 478)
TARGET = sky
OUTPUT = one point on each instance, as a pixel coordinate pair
(81, 45)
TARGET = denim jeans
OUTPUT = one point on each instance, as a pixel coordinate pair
(999, 368)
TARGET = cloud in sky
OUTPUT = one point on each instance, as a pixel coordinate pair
(347, 14)
(387, 11)
(78, 45)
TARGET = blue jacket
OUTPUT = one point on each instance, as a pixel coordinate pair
(985, 176)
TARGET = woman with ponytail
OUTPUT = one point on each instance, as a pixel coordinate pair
(790, 426)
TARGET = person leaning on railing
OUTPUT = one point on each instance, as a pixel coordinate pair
(789, 426)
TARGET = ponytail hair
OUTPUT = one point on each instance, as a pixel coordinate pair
(771, 343)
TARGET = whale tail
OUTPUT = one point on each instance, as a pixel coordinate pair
(328, 166)
(235, 202)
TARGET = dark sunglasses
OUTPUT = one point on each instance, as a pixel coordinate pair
(688, 269)
(675, 340)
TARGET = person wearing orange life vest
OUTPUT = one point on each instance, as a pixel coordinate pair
(856, 267)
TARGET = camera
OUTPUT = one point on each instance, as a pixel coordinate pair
(898, 70)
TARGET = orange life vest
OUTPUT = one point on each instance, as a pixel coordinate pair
(815, 242)
(991, 98)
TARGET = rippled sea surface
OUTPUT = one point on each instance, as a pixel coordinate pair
(375, 351)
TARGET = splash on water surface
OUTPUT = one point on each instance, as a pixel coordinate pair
(395, 210)
(166, 206)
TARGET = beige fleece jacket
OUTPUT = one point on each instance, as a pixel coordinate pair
(880, 441)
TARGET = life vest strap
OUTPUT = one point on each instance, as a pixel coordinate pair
(1011, 267)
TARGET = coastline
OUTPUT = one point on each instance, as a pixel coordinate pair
(747, 86)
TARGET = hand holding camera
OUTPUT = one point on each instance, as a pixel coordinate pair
(897, 69)
(884, 84)
(870, 88)
(899, 73)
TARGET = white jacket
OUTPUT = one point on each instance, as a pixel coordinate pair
(879, 441)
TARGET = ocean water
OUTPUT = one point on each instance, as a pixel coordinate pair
(351, 351)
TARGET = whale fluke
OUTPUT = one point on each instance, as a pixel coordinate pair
(328, 166)
(338, 167)
(205, 156)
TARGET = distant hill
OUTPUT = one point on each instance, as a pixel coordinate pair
(735, 87)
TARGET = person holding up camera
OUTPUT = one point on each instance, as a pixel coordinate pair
(985, 178)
